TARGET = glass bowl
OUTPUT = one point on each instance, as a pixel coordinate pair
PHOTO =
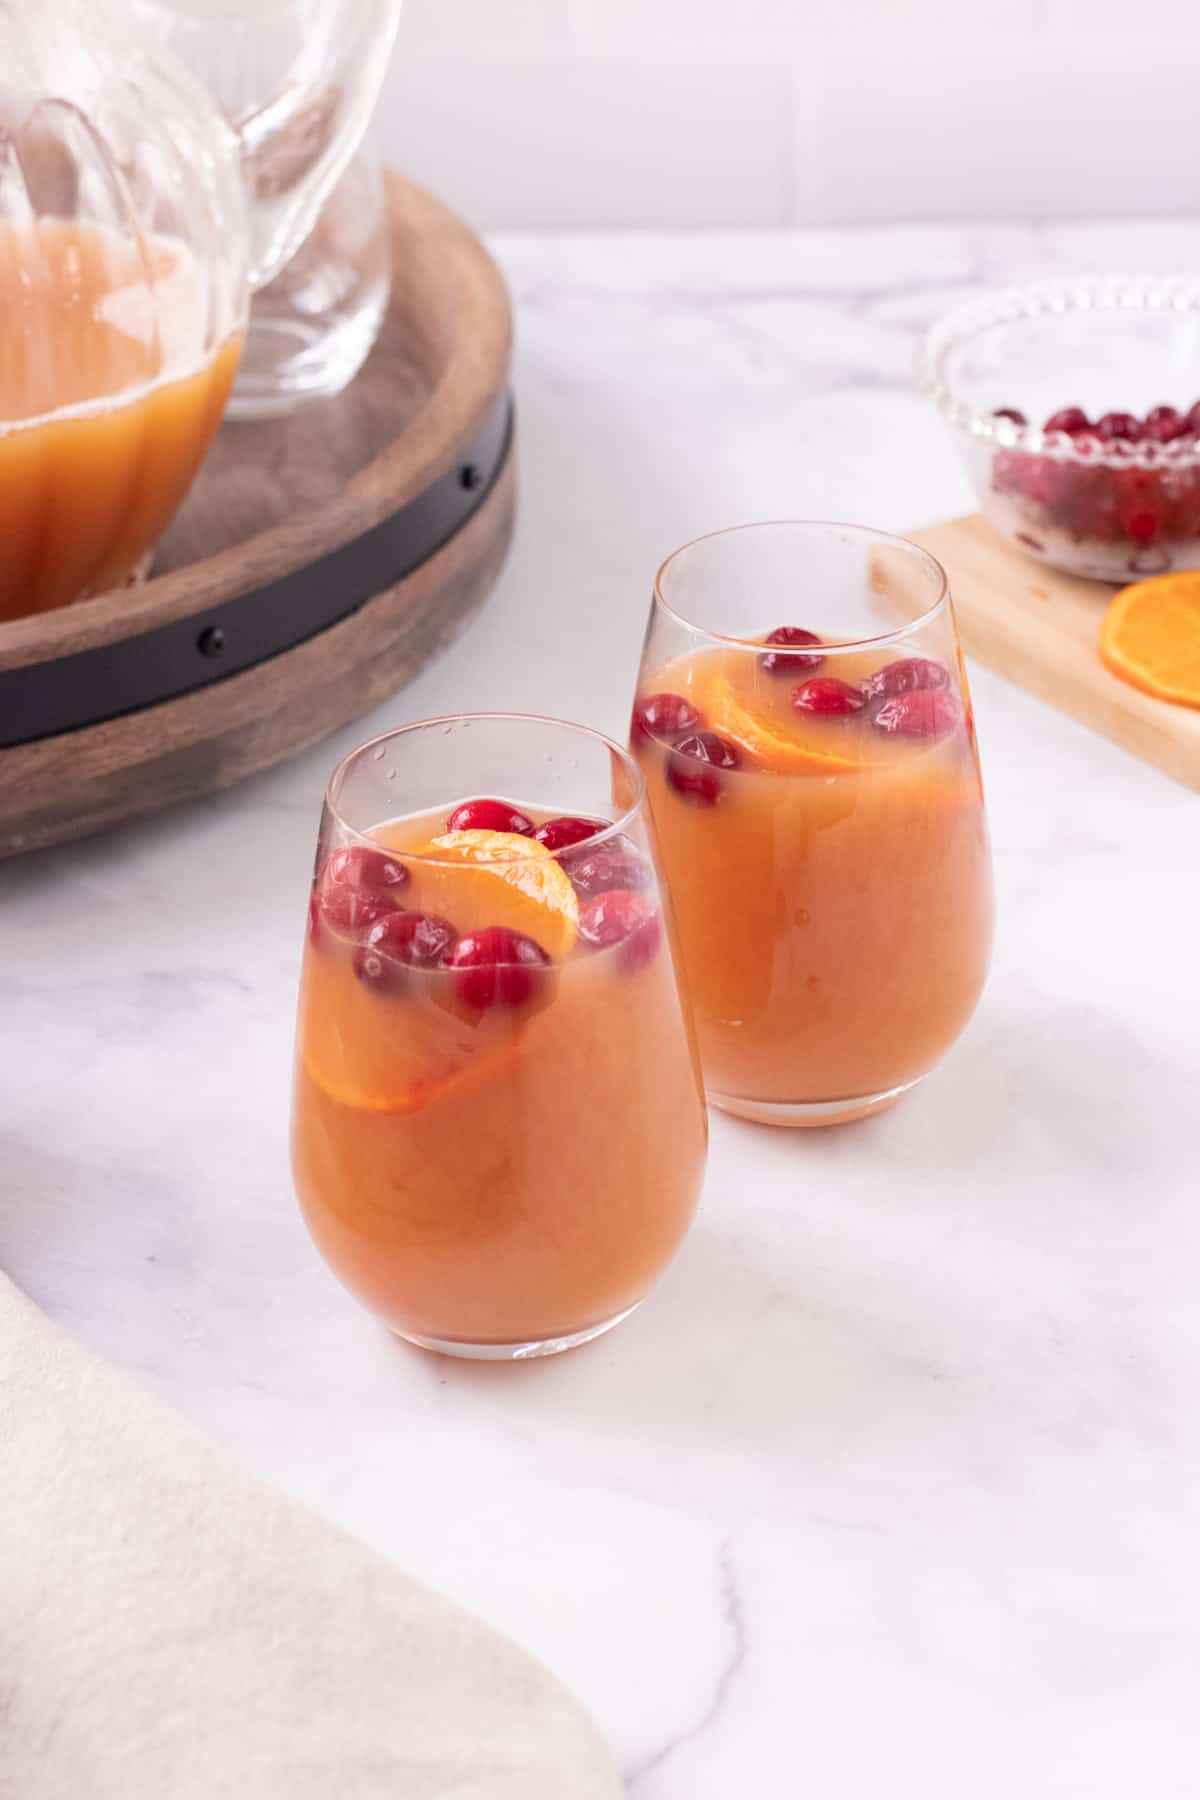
(1117, 496)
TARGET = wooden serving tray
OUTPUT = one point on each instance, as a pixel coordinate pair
(318, 562)
(1041, 629)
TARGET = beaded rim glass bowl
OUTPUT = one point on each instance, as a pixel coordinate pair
(1116, 495)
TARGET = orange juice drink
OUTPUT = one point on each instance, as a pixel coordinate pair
(499, 1128)
(105, 413)
(820, 821)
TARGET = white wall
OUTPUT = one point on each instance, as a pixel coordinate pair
(769, 112)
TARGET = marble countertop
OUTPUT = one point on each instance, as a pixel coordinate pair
(892, 1487)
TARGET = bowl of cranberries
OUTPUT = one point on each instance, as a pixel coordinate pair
(1075, 405)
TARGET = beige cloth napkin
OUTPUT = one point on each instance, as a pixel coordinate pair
(171, 1628)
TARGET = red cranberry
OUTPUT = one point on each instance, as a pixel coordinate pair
(663, 716)
(828, 697)
(925, 713)
(1010, 412)
(1095, 512)
(904, 677)
(1008, 471)
(773, 663)
(366, 871)
(1119, 427)
(1046, 482)
(692, 770)
(1071, 419)
(1181, 494)
(1163, 424)
(617, 864)
(1140, 504)
(404, 939)
(489, 815)
(1193, 419)
(561, 834)
(496, 967)
(625, 918)
(348, 909)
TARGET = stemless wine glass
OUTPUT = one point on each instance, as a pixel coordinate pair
(803, 725)
(499, 1130)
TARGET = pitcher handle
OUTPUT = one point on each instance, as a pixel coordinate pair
(295, 147)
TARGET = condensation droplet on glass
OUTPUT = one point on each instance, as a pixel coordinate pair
(377, 755)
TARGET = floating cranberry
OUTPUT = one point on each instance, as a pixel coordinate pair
(1119, 428)
(348, 909)
(1071, 419)
(775, 663)
(625, 918)
(617, 864)
(563, 833)
(365, 871)
(664, 716)
(905, 677)
(692, 770)
(1163, 424)
(1193, 419)
(924, 713)
(403, 940)
(496, 967)
(828, 697)
(489, 815)
(1010, 412)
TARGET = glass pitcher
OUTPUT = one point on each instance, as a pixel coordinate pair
(136, 218)
(298, 81)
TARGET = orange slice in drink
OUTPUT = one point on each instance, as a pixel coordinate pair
(401, 1092)
(775, 749)
(1151, 636)
(497, 878)
(766, 742)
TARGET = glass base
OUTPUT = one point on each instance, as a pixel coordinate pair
(811, 1112)
(520, 1352)
(288, 361)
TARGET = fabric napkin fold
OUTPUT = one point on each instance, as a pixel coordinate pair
(171, 1628)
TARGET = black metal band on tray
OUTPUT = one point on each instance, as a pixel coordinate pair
(67, 693)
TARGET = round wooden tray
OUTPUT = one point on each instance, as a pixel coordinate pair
(318, 562)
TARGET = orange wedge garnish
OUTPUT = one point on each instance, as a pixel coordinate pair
(399, 1094)
(713, 689)
(773, 748)
(497, 878)
(1151, 636)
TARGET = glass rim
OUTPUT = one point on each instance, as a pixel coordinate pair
(607, 835)
(836, 645)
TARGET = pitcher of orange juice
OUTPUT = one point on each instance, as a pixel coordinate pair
(137, 217)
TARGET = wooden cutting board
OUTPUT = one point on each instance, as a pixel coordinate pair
(1041, 629)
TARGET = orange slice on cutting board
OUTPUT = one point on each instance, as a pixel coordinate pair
(1151, 636)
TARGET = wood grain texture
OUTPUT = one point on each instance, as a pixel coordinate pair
(1041, 629)
(274, 497)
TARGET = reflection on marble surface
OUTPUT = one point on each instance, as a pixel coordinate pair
(892, 1487)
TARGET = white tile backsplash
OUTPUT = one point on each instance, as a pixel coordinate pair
(673, 113)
